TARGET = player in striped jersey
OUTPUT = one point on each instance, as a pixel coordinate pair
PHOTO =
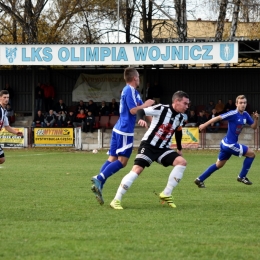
(155, 146)
(4, 99)
(229, 145)
(121, 143)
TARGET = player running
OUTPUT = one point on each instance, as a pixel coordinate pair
(237, 119)
(121, 144)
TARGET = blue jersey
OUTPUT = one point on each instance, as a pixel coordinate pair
(236, 123)
(130, 98)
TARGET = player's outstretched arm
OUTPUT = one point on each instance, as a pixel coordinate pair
(211, 121)
(255, 117)
(13, 131)
(147, 103)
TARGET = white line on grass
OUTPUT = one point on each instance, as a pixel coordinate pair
(37, 154)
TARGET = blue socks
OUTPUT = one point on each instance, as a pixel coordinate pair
(104, 166)
(246, 166)
(109, 170)
(208, 172)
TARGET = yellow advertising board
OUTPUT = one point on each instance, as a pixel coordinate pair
(53, 137)
(11, 140)
(190, 138)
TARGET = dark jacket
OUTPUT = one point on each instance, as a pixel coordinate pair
(114, 108)
(202, 120)
(90, 120)
(50, 118)
(38, 118)
(39, 93)
(60, 107)
(70, 118)
(103, 111)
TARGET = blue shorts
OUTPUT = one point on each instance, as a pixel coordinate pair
(226, 150)
(121, 144)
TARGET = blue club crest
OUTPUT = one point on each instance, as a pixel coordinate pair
(10, 54)
(226, 51)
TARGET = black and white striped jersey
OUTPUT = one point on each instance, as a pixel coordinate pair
(164, 123)
(3, 118)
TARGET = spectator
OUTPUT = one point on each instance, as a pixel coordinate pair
(80, 106)
(214, 126)
(38, 119)
(92, 107)
(90, 122)
(114, 108)
(70, 119)
(50, 119)
(229, 106)
(39, 96)
(60, 106)
(80, 120)
(61, 118)
(49, 95)
(11, 93)
(103, 109)
(157, 92)
(209, 107)
(192, 119)
(202, 117)
(190, 107)
(220, 106)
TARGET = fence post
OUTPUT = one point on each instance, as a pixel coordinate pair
(203, 138)
(77, 133)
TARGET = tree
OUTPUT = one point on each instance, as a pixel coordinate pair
(127, 18)
(29, 21)
(221, 20)
(234, 19)
(181, 17)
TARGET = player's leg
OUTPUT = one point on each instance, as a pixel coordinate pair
(120, 151)
(249, 158)
(179, 163)
(126, 183)
(143, 159)
(2, 156)
(212, 168)
(223, 156)
(97, 180)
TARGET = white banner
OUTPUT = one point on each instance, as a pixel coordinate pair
(100, 87)
(120, 54)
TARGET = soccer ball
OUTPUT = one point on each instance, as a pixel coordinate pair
(95, 151)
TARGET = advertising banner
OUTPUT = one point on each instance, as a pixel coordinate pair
(119, 54)
(53, 137)
(100, 87)
(190, 138)
(9, 140)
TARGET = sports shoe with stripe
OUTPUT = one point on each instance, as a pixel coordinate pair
(116, 204)
(96, 189)
(167, 199)
(199, 183)
(244, 180)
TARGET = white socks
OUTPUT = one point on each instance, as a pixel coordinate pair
(125, 184)
(174, 178)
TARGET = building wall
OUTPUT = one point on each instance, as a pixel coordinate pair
(201, 84)
(200, 29)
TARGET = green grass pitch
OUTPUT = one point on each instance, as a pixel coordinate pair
(48, 211)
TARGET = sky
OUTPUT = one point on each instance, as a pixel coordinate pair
(195, 10)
